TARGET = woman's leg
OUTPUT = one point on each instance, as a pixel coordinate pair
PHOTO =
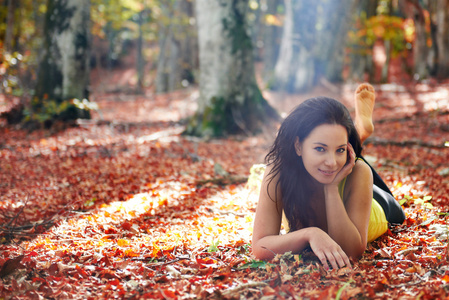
(364, 104)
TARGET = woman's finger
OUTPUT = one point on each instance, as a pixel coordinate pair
(334, 262)
(346, 260)
(343, 259)
(351, 153)
(322, 257)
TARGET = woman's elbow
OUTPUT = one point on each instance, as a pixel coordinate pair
(261, 252)
(262, 255)
(356, 253)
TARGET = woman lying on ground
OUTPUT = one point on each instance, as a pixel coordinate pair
(319, 186)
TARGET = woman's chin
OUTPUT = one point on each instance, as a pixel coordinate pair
(325, 179)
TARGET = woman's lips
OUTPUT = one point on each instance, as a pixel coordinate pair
(327, 173)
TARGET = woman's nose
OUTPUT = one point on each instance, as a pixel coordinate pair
(331, 160)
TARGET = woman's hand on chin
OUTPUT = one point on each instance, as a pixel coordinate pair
(347, 168)
(327, 250)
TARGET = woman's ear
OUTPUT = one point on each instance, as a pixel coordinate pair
(297, 146)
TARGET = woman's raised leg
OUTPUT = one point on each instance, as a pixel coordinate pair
(364, 104)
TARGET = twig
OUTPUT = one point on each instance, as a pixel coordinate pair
(407, 251)
(407, 118)
(159, 264)
(243, 286)
(20, 211)
(395, 286)
(269, 250)
(10, 230)
(377, 141)
(227, 180)
(239, 121)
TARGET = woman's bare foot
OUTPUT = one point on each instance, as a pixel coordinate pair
(364, 104)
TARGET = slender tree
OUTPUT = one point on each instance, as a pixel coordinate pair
(361, 55)
(230, 101)
(442, 38)
(312, 44)
(334, 21)
(140, 61)
(420, 48)
(295, 68)
(64, 69)
(10, 25)
(272, 31)
(178, 47)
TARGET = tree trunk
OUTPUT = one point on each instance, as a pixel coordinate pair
(139, 49)
(442, 39)
(286, 55)
(386, 66)
(432, 8)
(271, 40)
(332, 39)
(230, 101)
(255, 28)
(420, 49)
(178, 49)
(312, 44)
(361, 59)
(161, 80)
(10, 26)
(64, 69)
(295, 68)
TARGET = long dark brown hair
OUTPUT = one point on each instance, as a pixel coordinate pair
(294, 181)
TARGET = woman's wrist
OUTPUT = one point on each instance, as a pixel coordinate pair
(331, 188)
(311, 232)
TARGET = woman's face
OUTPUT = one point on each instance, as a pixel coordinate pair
(324, 151)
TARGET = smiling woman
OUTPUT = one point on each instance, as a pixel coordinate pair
(318, 184)
(324, 151)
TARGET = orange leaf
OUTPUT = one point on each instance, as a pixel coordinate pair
(169, 294)
(131, 253)
(123, 243)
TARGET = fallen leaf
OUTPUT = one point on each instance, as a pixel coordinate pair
(11, 265)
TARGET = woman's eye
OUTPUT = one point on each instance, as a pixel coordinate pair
(319, 149)
(342, 150)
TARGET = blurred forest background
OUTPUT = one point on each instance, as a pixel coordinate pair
(57, 54)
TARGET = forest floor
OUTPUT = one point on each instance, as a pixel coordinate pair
(124, 206)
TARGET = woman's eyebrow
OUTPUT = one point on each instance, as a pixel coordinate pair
(322, 144)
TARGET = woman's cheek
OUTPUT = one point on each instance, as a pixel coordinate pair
(343, 161)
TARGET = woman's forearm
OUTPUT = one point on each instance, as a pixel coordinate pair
(340, 227)
(267, 247)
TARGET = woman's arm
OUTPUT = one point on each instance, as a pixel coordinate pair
(348, 220)
(266, 238)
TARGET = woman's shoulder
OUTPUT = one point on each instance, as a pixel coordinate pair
(361, 164)
(359, 181)
(270, 177)
(270, 191)
(361, 173)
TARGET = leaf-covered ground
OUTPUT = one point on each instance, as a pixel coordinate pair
(125, 207)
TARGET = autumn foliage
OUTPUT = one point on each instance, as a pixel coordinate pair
(124, 206)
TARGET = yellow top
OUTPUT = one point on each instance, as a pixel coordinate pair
(378, 223)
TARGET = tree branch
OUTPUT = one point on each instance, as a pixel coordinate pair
(227, 180)
(378, 141)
